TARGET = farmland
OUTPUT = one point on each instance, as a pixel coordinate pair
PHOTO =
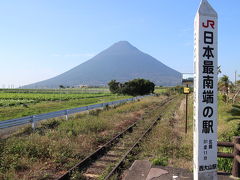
(16, 103)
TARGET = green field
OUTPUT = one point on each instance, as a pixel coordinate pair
(16, 103)
(160, 90)
(58, 91)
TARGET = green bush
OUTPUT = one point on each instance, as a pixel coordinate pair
(134, 87)
(225, 164)
(114, 86)
(160, 161)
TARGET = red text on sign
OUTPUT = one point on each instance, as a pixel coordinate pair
(209, 23)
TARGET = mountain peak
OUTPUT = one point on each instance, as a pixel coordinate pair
(122, 47)
(123, 43)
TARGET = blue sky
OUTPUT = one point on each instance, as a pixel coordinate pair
(41, 39)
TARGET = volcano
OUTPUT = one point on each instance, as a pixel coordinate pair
(122, 62)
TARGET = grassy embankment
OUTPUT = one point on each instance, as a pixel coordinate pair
(169, 146)
(58, 144)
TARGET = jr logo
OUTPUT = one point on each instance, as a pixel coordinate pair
(209, 23)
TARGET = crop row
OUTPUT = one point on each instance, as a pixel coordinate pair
(14, 102)
(57, 91)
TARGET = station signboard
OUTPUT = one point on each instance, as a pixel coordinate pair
(205, 92)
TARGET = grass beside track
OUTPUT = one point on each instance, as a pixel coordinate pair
(57, 145)
(168, 145)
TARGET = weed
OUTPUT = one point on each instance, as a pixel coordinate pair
(95, 112)
(21, 166)
(45, 176)
(25, 131)
(114, 177)
(76, 175)
(161, 161)
(106, 107)
(50, 124)
(225, 165)
(106, 172)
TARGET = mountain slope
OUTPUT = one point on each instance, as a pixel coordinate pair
(121, 62)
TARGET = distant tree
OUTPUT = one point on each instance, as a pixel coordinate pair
(114, 86)
(134, 87)
(224, 84)
(61, 86)
(237, 91)
(138, 87)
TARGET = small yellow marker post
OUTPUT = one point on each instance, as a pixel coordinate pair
(186, 91)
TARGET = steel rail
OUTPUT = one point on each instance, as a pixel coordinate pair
(84, 164)
(98, 153)
(119, 164)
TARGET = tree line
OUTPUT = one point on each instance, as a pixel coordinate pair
(134, 87)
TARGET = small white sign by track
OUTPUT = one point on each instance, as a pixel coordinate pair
(205, 92)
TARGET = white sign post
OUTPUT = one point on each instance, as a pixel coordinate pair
(205, 93)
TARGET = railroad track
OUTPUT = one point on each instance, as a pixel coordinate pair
(107, 160)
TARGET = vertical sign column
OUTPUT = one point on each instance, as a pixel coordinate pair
(205, 93)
